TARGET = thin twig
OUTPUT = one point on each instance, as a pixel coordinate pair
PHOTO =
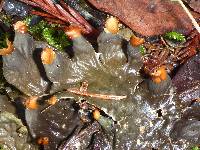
(39, 13)
(94, 95)
(30, 3)
(83, 92)
(77, 16)
(56, 21)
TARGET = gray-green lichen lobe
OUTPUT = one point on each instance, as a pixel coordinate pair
(20, 68)
(141, 120)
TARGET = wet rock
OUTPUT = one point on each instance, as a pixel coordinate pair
(13, 7)
(187, 80)
(188, 130)
(188, 127)
(157, 114)
(57, 122)
(101, 140)
(147, 17)
(82, 139)
(21, 70)
(13, 133)
(6, 105)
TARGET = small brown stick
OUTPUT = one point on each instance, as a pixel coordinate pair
(76, 15)
(67, 16)
(42, 5)
(64, 13)
(30, 3)
(83, 91)
(35, 3)
(50, 4)
(101, 96)
(50, 8)
(38, 13)
(54, 21)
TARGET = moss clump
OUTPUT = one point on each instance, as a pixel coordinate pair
(3, 37)
(1, 147)
(142, 49)
(195, 148)
(56, 38)
(175, 36)
(6, 19)
(50, 33)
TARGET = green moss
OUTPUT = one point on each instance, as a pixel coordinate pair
(36, 30)
(3, 43)
(6, 19)
(1, 147)
(56, 38)
(142, 49)
(175, 36)
(3, 37)
(195, 148)
(43, 31)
